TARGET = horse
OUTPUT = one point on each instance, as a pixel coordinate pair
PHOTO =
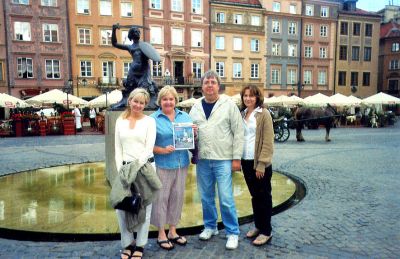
(314, 117)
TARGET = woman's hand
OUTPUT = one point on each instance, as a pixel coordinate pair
(259, 174)
(169, 149)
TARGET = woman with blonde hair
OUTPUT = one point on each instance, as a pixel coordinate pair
(135, 135)
(171, 166)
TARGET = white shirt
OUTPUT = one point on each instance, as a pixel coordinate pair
(136, 143)
(250, 134)
(92, 113)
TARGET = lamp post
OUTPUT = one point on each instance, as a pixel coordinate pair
(67, 90)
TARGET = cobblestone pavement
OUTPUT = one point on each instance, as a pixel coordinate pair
(351, 209)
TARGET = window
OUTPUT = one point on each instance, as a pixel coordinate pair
(343, 53)
(86, 68)
(354, 79)
(25, 68)
(156, 35)
(276, 7)
(342, 78)
(344, 26)
(177, 5)
(219, 42)
(324, 11)
(275, 76)
(125, 39)
(366, 78)
(82, 6)
(255, 20)
(237, 43)
(276, 49)
(52, 69)
(356, 29)
(220, 68)
(22, 31)
(105, 7)
(355, 53)
(177, 37)
(196, 6)
(307, 77)
(309, 30)
(292, 50)
(394, 64)
(292, 76)
(308, 52)
(20, 2)
(276, 26)
(237, 70)
(125, 69)
(108, 72)
(324, 31)
(49, 3)
(156, 70)
(254, 70)
(323, 52)
(292, 9)
(368, 30)
(196, 69)
(309, 10)
(126, 9)
(367, 53)
(155, 4)
(220, 17)
(105, 37)
(238, 19)
(50, 32)
(322, 77)
(395, 47)
(292, 28)
(196, 38)
(255, 45)
(84, 36)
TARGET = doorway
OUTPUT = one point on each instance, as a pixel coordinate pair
(178, 72)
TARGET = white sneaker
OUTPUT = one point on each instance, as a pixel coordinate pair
(208, 233)
(233, 242)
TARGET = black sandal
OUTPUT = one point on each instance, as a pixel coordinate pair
(131, 249)
(160, 242)
(175, 240)
(138, 249)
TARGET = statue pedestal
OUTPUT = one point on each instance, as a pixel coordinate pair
(110, 119)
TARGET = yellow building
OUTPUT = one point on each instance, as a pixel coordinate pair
(238, 44)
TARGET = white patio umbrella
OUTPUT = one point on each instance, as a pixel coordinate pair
(107, 99)
(9, 101)
(271, 100)
(286, 100)
(187, 103)
(317, 99)
(381, 98)
(56, 96)
(355, 100)
(236, 98)
(340, 100)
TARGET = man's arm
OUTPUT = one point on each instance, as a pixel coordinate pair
(114, 38)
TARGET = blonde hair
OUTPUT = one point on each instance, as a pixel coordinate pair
(165, 91)
(139, 93)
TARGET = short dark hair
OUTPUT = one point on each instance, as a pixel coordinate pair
(254, 90)
(210, 74)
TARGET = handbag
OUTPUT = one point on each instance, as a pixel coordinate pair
(131, 204)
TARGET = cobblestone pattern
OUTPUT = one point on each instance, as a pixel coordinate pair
(351, 209)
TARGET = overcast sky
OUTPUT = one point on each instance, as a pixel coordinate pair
(374, 5)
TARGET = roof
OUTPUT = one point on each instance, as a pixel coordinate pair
(360, 12)
(390, 29)
(249, 3)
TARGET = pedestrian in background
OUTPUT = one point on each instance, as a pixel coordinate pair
(92, 118)
(220, 143)
(135, 135)
(172, 167)
(78, 118)
(258, 149)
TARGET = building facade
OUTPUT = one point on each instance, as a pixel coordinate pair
(180, 32)
(37, 46)
(96, 65)
(389, 59)
(3, 53)
(357, 51)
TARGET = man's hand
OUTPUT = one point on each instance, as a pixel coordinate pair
(236, 165)
(259, 174)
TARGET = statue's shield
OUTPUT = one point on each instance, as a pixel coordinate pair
(149, 51)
